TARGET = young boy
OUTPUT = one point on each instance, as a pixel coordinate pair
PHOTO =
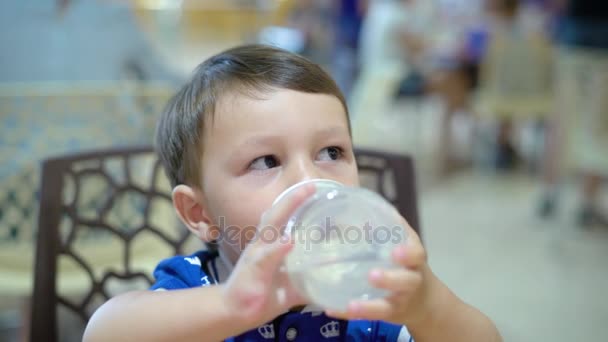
(252, 121)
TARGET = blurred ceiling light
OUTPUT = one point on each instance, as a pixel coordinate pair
(158, 4)
(283, 37)
(205, 4)
(185, 32)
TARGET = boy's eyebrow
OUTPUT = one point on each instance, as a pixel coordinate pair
(241, 150)
(260, 140)
(264, 140)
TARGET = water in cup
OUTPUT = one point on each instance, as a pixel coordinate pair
(340, 234)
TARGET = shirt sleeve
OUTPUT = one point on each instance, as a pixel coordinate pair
(181, 272)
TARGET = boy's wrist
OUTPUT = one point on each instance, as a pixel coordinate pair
(234, 314)
(238, 313)
(442, 315)
(434, 298)
(229, 317)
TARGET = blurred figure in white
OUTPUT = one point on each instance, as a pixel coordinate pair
(388, 46)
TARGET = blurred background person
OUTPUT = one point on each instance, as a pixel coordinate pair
(314, 19)
(579, 136)
(516, 76)
(455, 76)
(348, 18)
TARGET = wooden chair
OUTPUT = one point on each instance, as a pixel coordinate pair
(72, 230)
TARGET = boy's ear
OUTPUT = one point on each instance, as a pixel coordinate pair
(188, 203)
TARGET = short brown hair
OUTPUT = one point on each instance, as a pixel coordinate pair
(246, 69)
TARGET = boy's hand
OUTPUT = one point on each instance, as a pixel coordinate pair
(409, 285)
(420, 301)
(257, 290)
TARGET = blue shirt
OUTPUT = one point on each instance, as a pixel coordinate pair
(200, 269)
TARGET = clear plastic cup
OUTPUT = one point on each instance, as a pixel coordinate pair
(341, 233)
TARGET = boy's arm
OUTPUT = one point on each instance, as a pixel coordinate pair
(420, 301)
(451, 319)
(197, 314)
(255, 293)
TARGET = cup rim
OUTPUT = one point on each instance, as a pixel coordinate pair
(296, 185)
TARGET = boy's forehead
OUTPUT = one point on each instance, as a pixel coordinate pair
(245, 113)
(235, 103)
(232, 113)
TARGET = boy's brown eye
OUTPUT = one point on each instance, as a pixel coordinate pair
(263, 163)
(330, 153)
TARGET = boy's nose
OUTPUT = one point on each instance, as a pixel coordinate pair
(305, 170)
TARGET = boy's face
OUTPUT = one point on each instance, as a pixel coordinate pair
(253, 149)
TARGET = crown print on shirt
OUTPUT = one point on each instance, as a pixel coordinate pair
(267, 331)
(331, 329)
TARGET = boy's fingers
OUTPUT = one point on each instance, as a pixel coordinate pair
(376, 309)
(272, 221)
(338, 314)
(412, 237)
(281, 212)
(395, 280)
(411, 254)
(269, 261)
(269, 247)
(271, 257)
(294, 297)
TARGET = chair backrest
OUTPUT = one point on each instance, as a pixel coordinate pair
(94, 209)
(393, 177)
(516, 75)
